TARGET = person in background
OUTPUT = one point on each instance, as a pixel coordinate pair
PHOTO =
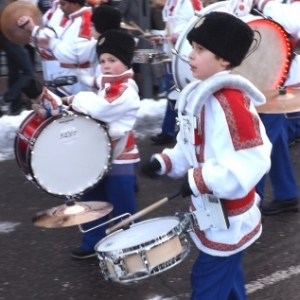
(71, 38)
(176, 15)
(19, 67)
(283, 180)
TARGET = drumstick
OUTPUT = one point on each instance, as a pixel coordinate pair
(141, 213)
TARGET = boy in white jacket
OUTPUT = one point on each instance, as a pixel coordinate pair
(222, 150)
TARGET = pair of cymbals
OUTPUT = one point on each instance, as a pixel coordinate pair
(277, 103)
(70, 215)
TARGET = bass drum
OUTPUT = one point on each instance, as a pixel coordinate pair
(64, 155)
(266, 65)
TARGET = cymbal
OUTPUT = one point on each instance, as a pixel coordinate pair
(9, 17)
(280, 104)
(70, 215)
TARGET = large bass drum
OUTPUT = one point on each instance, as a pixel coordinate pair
(269, 57)
(64, 155)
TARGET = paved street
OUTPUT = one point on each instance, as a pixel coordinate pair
(35, 263)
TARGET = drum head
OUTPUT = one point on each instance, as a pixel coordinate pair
(137, 234)
(268, 65)
(70, 155)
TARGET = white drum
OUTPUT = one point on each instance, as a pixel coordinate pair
(64, 155)
(147, 248)
(266, 66)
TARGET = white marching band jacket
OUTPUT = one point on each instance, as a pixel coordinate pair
(116, 104)
(225, 151)
(68, 46)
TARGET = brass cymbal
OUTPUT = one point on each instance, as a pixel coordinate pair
(9, 17)
(70, 215)
(280, 104)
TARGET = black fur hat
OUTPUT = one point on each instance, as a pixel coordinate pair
(105, 18)
(118, 43)
(223, 34)
(32, 88)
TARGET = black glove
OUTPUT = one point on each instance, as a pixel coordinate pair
(149, 169)
(185, 189)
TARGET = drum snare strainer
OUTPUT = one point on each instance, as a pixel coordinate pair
(145, 249)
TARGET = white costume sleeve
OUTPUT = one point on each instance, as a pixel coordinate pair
(122, 111)
(75, 52)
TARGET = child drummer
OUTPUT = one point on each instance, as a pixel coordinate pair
(116, 104)
(222, 150)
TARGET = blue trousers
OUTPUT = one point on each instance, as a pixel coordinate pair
(117, 188)
(293, 126)
(218, 278)
(169, 122)
(282, 176)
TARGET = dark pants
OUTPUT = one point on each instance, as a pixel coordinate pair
(19, 67)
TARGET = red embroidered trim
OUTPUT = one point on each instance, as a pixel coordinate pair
(196, 4)
(84, 65)
(226, 247)
(239, 206)
(167, 162)
(114, 92)
(243, 125)
(85, 28)
(128, 156)
(200, 154)
(199, 181)
(115, 79)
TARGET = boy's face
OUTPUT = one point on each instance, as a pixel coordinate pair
(111, 64)
(204, 63)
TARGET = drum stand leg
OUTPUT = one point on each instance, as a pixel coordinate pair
(127, 215)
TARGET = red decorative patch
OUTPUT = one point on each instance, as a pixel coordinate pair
(243, 124)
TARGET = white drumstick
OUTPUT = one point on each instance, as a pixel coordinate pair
(141, 213)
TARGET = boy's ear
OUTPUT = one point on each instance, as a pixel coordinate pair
(225, 63)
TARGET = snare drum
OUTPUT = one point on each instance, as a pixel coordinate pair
(142, 56)
(147, 248)
(64, 155)
(266, 67)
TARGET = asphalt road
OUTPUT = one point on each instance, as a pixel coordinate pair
(35, 262)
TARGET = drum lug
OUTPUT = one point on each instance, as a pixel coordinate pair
(26, 139)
